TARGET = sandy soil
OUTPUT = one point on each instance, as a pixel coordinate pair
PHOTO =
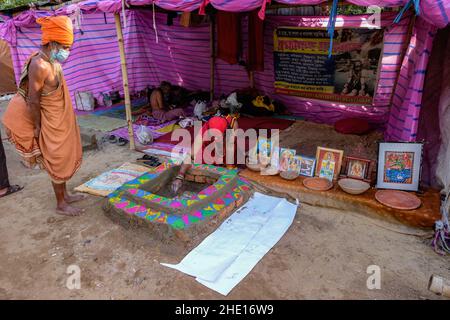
(324, 254)
(305, 136)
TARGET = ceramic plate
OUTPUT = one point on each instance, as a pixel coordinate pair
(318, 184)
(398, 199)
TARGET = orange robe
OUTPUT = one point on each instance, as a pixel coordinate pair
(58, 149)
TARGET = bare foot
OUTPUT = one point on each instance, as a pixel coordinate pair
(71, 198)
(66, 210)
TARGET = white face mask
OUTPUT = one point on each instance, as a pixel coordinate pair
(60, 55)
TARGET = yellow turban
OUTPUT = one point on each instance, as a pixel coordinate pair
(58, 29)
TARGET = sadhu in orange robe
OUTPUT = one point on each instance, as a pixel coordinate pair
(58, 149)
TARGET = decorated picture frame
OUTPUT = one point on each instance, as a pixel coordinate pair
(399, 165)
(286, 160)
(328, 162)
(357, 168)
(305, 165)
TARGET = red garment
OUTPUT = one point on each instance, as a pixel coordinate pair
(221, 124)
(255, 59)
(228, 36)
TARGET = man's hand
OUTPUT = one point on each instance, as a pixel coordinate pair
(176, 185)
(37, 131)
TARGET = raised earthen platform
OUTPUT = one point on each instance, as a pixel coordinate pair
(208, 196)
(423, 217)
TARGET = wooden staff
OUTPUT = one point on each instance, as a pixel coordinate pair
(126, 91)
(213, 61)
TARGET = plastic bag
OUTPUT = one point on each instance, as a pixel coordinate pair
(144, 136)
(84, 101)
(199, 108)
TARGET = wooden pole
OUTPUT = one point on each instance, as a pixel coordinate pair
(126, 90)
(251, 76)
(213, 59)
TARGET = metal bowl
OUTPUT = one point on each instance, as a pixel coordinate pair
(353, 186)
(289, 175)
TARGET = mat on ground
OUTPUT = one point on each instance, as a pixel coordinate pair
(227, 255)
(156, 130)
(110, 180)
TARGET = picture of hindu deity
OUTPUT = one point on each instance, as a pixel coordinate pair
(305, 165)
(294, 165)
(357, 169)
(398, 167)
(113, 179)
(331, 159)
(286, 158)
(264, 151)
(275, 158)
(327, 169)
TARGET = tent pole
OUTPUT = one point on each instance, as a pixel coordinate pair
(213, 61)
(126, 91)
(251, 76)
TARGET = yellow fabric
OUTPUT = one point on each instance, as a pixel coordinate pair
(58, 29)
(259, 102)
(168, 128)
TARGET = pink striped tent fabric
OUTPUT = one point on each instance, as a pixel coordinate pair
(181, 56)
(436, 12)
(407, 100)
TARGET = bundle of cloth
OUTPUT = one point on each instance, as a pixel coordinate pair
(249, 101)
(256, 104)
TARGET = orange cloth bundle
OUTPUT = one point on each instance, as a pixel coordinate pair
(58, 29)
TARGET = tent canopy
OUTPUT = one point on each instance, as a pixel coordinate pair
(435, 12)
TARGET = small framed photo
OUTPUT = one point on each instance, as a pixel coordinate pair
(264, 148)
(286, 159)
(305, 165)
(357, 168)
(399, 165)
(275, 158)
(328, 160)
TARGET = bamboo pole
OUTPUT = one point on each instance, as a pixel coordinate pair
(251, 76)
(213, 59)
(126, 90)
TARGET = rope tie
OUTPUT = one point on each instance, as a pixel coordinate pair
(331, 25)
(154, 22)
(124, 17)
(441, 240)
(416, 4)
(202, 10)
(262, 12)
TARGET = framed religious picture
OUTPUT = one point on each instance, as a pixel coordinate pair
(399, 165)
(357, 168)
(275, 158)
(305, 165)
(328, 163)
(264, 148)
(286, 159)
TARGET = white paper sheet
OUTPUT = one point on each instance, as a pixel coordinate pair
(227, 255)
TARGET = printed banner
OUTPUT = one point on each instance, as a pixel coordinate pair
(302, 67)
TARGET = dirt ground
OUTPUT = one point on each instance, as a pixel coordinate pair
(324, 254)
